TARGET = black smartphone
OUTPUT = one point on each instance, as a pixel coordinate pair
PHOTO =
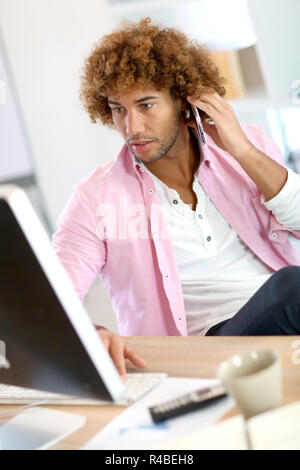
(200, 131)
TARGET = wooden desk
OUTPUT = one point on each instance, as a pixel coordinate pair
(189, 357)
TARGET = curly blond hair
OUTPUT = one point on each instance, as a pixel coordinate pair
(144, 54)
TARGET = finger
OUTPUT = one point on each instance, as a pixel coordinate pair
(219, 103)
(105, 341)
(116, 351)
(219, 98)
(208, 109)
(134, 358)
(209, 99)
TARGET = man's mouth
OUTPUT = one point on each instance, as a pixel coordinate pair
(140, 145)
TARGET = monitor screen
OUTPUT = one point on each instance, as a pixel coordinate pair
(41, 344)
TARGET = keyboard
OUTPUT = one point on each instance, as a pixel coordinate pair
(136, 386)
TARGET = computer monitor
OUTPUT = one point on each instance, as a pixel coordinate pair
(50, 341)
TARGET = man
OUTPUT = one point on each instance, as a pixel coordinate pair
(185, 236)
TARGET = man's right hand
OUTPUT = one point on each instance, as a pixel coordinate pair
(119, 351)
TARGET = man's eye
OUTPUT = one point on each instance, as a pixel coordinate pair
(117, 110)
(146, 105)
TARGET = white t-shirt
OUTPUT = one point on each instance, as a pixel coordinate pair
(217, 270)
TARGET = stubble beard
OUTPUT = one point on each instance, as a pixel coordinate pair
(166, 145)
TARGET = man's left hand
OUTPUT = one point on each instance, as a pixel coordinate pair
(228, 128)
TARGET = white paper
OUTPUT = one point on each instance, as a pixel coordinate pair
(277, 429)
(229, 434)
(134, 428)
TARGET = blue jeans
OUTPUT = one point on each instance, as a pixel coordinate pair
(273, 310)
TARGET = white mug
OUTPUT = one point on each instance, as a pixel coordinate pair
(254, 380)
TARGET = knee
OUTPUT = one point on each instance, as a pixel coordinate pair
(290, 272)
(288, 279)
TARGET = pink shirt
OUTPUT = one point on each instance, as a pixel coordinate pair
(113, 227)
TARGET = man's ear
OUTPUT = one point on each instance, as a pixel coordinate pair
(186, 110)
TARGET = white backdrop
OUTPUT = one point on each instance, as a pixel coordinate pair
(46, 44)
(14, 158)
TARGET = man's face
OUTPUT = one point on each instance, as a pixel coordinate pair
(148, 120)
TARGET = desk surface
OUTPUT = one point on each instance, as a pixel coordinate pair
(189, 357)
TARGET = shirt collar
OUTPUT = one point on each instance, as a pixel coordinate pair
(207, 157)
(136, 165)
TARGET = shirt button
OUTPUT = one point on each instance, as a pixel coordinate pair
(150, 190)
(208, 239)
(200, 216)
(274, 236)
(175, 201)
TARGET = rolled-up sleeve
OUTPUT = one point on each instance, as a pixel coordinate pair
(81, 252)
(286, 204)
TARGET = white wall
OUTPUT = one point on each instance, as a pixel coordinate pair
(46, 42)
(277, 27)
(14, 161)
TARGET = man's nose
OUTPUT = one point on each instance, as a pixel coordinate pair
(134, 124)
